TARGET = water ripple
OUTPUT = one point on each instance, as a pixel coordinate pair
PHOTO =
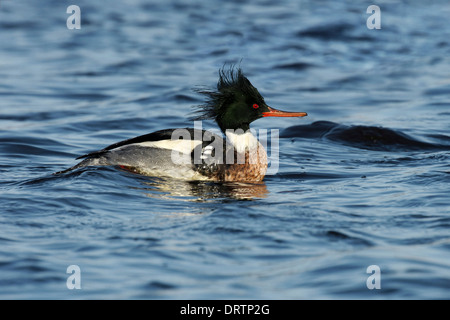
(363, 180)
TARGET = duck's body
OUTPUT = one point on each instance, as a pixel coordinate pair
(193, 154)
(161, 153)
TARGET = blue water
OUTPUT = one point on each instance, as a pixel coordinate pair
(363, 180)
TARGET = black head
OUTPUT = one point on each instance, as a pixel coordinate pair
(236, 102)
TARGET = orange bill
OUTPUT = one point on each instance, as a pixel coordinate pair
(278, 113)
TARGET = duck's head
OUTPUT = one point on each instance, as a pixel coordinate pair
(236, 103)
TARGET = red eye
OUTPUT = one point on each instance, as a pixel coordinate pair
(255, 106)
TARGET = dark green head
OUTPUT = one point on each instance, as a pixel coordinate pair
(236, 103)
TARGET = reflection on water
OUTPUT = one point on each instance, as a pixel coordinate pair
(369, 188)
(203, 191)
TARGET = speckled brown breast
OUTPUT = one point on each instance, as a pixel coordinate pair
(254, 168)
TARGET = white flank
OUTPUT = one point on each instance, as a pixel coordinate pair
(183, 146)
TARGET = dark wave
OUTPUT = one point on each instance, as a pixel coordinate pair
(339, 30)
(297, 66)
(363, 137)
(26, 151)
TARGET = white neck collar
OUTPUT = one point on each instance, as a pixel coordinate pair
(241, 140)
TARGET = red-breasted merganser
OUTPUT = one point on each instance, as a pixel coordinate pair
(195, 154)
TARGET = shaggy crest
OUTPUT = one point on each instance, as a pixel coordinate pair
(232, 83)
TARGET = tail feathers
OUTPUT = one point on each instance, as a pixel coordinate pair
(84, 163)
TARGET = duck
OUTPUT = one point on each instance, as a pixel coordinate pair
(232, 153)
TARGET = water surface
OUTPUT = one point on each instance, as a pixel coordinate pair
(363, 180)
